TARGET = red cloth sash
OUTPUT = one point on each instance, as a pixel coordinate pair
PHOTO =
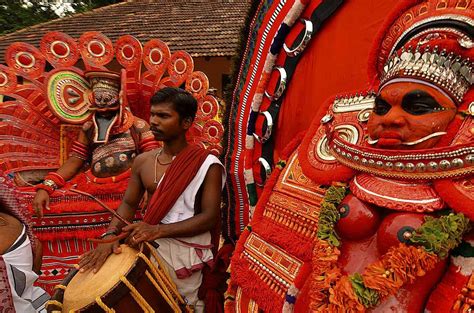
(177, 177)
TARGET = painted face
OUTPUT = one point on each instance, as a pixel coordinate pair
(106, 99)
(409, 115)
(165, 122)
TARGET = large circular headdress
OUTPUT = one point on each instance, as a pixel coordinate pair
(430, 41)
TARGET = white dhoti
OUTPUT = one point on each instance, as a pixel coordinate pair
(18, 262)
(185, 258)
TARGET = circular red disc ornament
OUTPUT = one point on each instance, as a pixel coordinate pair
(25, 59)
(207, 108)
(198, 84)
(59, 49)
(213, 131)
(180, 67)
(96, 49)
(156, 56)
(129, 51)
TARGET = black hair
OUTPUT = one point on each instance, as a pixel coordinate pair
(183, 102)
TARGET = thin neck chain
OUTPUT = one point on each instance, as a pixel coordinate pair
(157, 161)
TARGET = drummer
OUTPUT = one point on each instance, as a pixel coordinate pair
(184, 184)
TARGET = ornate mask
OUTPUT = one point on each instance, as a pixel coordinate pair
(105, 87)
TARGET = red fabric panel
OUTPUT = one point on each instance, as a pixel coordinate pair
(335, 62)
(177, 177)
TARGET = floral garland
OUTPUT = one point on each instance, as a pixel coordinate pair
(334, 292)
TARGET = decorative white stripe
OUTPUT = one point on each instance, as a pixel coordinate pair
(243, 109)
(392, 198)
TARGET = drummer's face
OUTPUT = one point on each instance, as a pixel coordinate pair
(165, 122)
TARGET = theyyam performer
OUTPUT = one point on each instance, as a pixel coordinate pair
(370, 208)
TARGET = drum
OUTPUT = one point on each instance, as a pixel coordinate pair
(132, 281)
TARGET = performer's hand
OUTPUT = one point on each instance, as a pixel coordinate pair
(40, 202)
(140, 232)
(96, 258)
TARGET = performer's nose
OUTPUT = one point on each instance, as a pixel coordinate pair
(393, 118)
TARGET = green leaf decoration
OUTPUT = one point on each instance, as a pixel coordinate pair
(368, 297)
(329, 215)
(441, 235)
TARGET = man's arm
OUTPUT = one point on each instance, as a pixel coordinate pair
(38, 257)
(198, 224)
(70, 168)
(73, 164)
(95, 259)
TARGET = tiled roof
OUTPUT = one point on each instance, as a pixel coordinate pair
(202, 28)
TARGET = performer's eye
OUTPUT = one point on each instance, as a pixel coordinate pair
(381, 106)
(419, 102)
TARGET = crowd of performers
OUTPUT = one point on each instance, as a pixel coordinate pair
(367, 210)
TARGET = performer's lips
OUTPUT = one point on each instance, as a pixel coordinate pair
(389, 138)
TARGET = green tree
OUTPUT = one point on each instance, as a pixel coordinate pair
(16, 14)
(85, 5)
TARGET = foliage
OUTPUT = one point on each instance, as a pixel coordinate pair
(15, 15)
(86, 5)
(18, 14)
(441, 235)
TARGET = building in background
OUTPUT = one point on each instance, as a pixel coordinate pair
(208, 30)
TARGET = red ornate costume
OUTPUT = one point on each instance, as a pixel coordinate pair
(370, 208)
(48, 107)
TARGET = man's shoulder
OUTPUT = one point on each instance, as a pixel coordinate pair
(212, 159)
(142, 159)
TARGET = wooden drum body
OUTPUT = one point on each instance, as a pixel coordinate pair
(127, 282)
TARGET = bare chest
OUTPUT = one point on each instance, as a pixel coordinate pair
(151, 173)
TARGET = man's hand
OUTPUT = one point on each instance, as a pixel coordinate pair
(40, 202)
(96, 258)
(141, 232)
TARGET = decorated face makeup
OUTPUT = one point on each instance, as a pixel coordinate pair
(106, 99)
(409, 115)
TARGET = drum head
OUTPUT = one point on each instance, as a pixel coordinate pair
(84, 288)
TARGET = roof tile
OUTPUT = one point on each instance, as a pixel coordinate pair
(202, 28)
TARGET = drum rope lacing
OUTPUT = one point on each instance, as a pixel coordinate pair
(162, 278)
(137, 296)
(103, 306)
